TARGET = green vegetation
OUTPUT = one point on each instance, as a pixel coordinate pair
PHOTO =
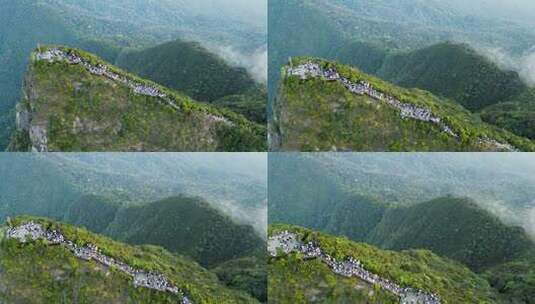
(189, 68)
(454, 228)
(384, 199)
(188, 226)
(453, 71)
(193, 70)
(247, 274)
(249, 106)
(119, 195)
(92, 212)
(516, 115)
(106, 28)
(515, 281)
(314, 115)
(294, 280)
(96, 114)
(427, 45)
(38, 273)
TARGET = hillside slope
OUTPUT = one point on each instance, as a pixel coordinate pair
(73, 101)
(451, 227)
(188, 226)
(453, 71)
(516, 114)
(38, 272)
(313, 113)
(295, 279)
(193, 70)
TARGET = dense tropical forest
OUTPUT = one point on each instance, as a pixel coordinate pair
(203, 210)
(477, 58)
(475, 209)
(234, 37)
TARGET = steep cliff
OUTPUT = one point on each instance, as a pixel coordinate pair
(74, 101)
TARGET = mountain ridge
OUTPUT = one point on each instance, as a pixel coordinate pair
(298, 124)
(101, 283)
(416, 268)
(220, 129)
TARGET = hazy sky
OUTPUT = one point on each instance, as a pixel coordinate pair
(252, 11)
(522, 10)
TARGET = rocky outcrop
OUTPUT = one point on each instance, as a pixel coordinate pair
(406, 110)
(287, 242)
(31, 231)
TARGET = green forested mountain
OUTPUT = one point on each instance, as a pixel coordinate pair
(318, 115)
(248, 274)
(190, 68)
(455, 228)
(105, 28)
(128, 179)
(454, 71)
(516, 114)
(98, 113)
(293, 279)
(514, 280)
(41, 273)
(308, 187)
(450, 70)
(122, 196)
(327, 28)
(188, 226)
(424, 44)
(93, 212)
(412, 201)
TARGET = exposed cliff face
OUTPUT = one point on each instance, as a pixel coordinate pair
(324, 106)
(73, 101)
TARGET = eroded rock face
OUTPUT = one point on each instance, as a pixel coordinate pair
(23, 118)
(39, 139)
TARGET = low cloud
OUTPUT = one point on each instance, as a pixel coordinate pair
(521, 217)
(523, 64)
(252, 216)
(255, 62)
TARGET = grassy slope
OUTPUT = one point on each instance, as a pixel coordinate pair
(421, 269)
(37, 273)
(317, 115)
(120, 120)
